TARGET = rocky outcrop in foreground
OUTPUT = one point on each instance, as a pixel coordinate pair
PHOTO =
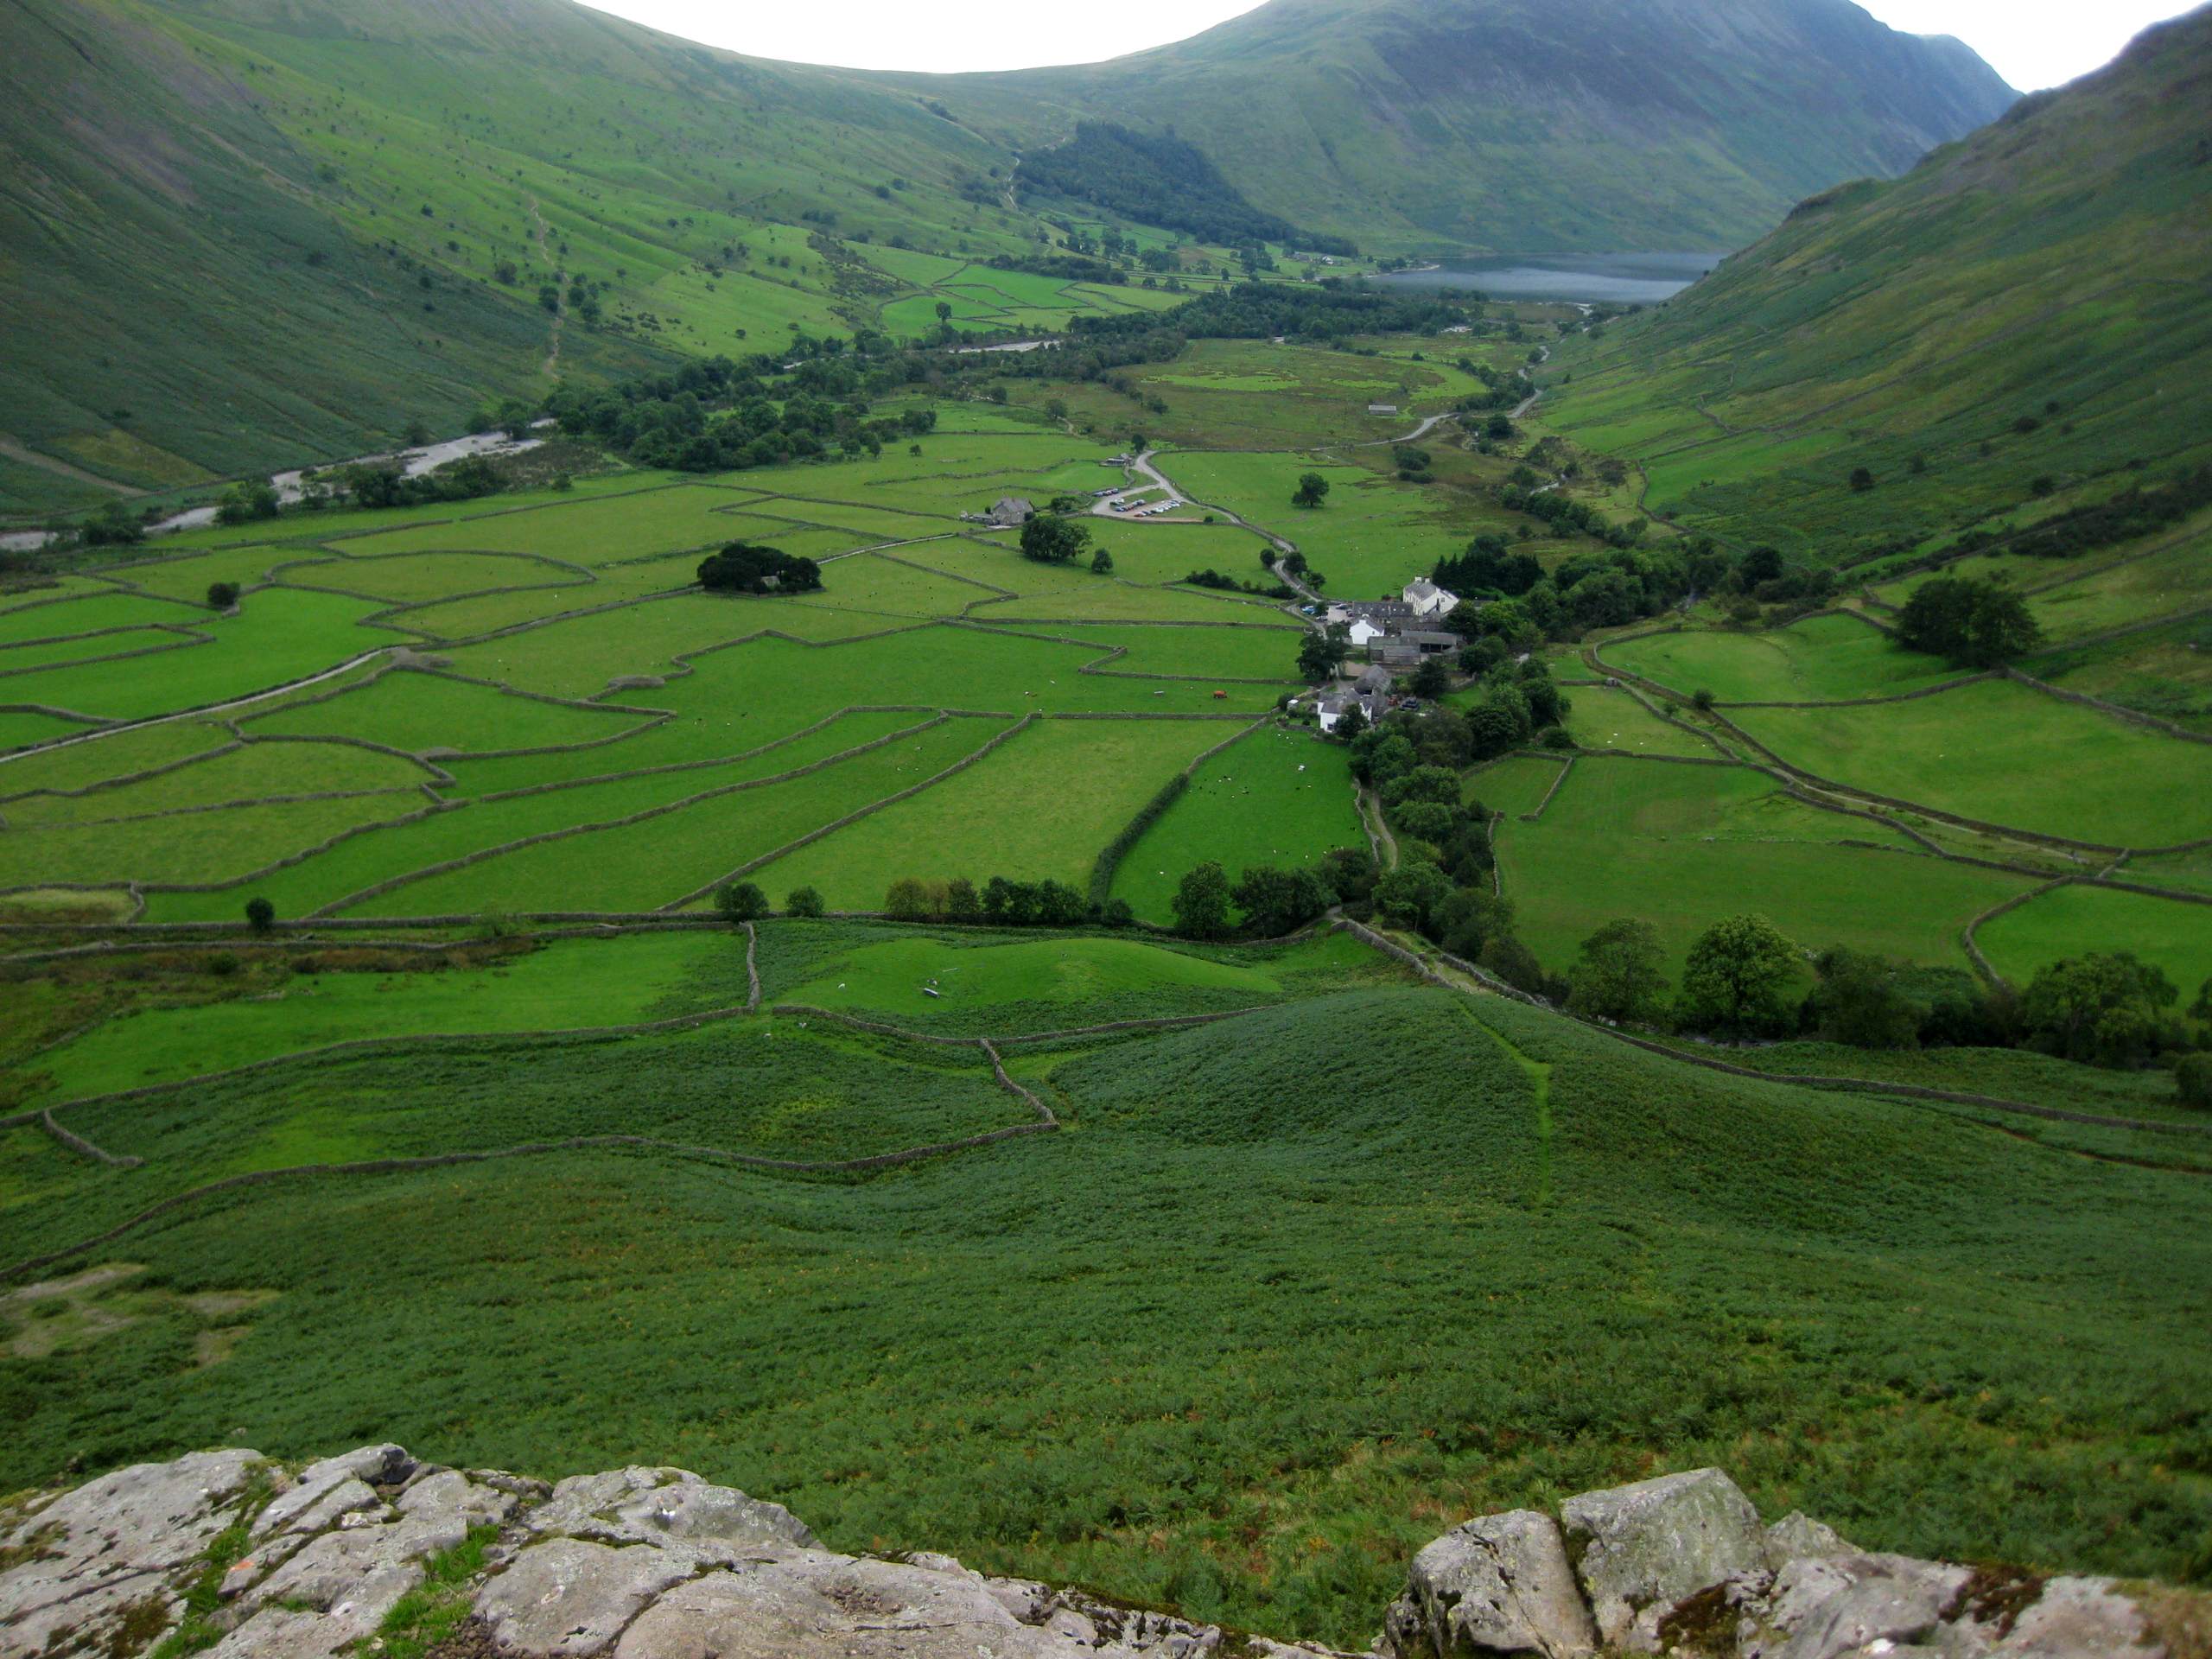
(374, 1551)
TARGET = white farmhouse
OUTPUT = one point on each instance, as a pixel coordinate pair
(1428, 601)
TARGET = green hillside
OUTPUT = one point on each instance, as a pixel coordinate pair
(244, 234)
(2016, 327)
(1284, 1292)
(1529, 125)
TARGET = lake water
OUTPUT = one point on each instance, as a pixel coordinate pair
(1614, 278)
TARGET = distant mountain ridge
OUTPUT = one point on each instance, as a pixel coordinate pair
(1530, 126)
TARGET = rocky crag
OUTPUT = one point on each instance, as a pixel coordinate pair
(374, 1552)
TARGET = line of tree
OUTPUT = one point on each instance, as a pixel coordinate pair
(999, 903)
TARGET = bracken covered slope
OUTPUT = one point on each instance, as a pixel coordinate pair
(2029, 304)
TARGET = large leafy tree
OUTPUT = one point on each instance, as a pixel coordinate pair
(1278, 902)
(1975, 624)
(2108, 1008)
(1201, 903)
(1740, 979)
(1621, 974)
(1049, 539)
(1313, 490)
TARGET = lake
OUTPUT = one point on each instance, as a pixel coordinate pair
(1614, 278)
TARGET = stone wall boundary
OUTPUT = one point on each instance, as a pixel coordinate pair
(392, 883)
(814, 834)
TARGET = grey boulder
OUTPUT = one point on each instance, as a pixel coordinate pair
(1642, 1549)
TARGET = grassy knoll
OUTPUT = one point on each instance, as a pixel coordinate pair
(1950, 1340)
(2006, 754)
(1680, 847)
(1823, 659)
(560, 986)
(2173, 936)
(1042, 805)
(1274, 797)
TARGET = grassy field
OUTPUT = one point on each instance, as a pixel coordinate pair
(1277, 798)
(2008, 755)
(2174, 937)
(1825, 659)
(1680, 847)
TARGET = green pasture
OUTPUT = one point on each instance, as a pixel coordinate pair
(948, 982)
(594, 530)
(2005, 754)
(35, 654)
(474, 826)
(1255, 652)
(242, 774)
(281, 635)
(1042, 805)
(420, 712)
(2171, 935)
(560, 986)
(1515, 785)
(219, 845)
(118, 755)
(71, 618)
(2175, 580)
(1681, 847)
(1607, 718)
(1822, 659)
(653, 864)
(188, 577)
(1278, 796)
(20, 728)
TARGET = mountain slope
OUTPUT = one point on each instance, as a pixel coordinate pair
(236, 234)
(1532, 125)
(2027, 305)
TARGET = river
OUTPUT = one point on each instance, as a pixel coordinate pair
(1611, 278)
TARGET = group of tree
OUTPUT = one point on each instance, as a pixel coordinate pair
(1265, 902)
(746, 568)
(1743, 979)
(745, 901)
(1974, 623)
(1054, 538)
(999, 903)
(1159, 178)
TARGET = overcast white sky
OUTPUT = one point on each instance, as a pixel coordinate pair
(2032, 43)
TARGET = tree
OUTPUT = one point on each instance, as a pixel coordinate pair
(1116, 913)
(1320, 655)
(1312, 489)
(1277, 901)
(1974, 623)
(804, 901)
(113, 525)
(944, 311)
(1621, 974)
(1201, 903)
(260, 914)
(1860, 1000)
(1058, 904)
(908, 900)
(2106, 1008)
(1432, 679)
(1738, 979)
(745, 567)
(1047, 539)
(2193, 1080)
(1102, 563)
(221, 596)
(1861, 479)
(245, 502)
(961, 903)
(1411, 892)
(740, 902)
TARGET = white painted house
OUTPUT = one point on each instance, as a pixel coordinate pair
(1428, 601)
(1364, 630)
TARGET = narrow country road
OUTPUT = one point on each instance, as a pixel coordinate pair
(1413, 436)
(1282, 544)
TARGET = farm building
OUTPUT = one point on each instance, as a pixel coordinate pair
(1381, 408)
(1426, 600)
(1332, 710)
(1011, 510)
(1409, 648)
